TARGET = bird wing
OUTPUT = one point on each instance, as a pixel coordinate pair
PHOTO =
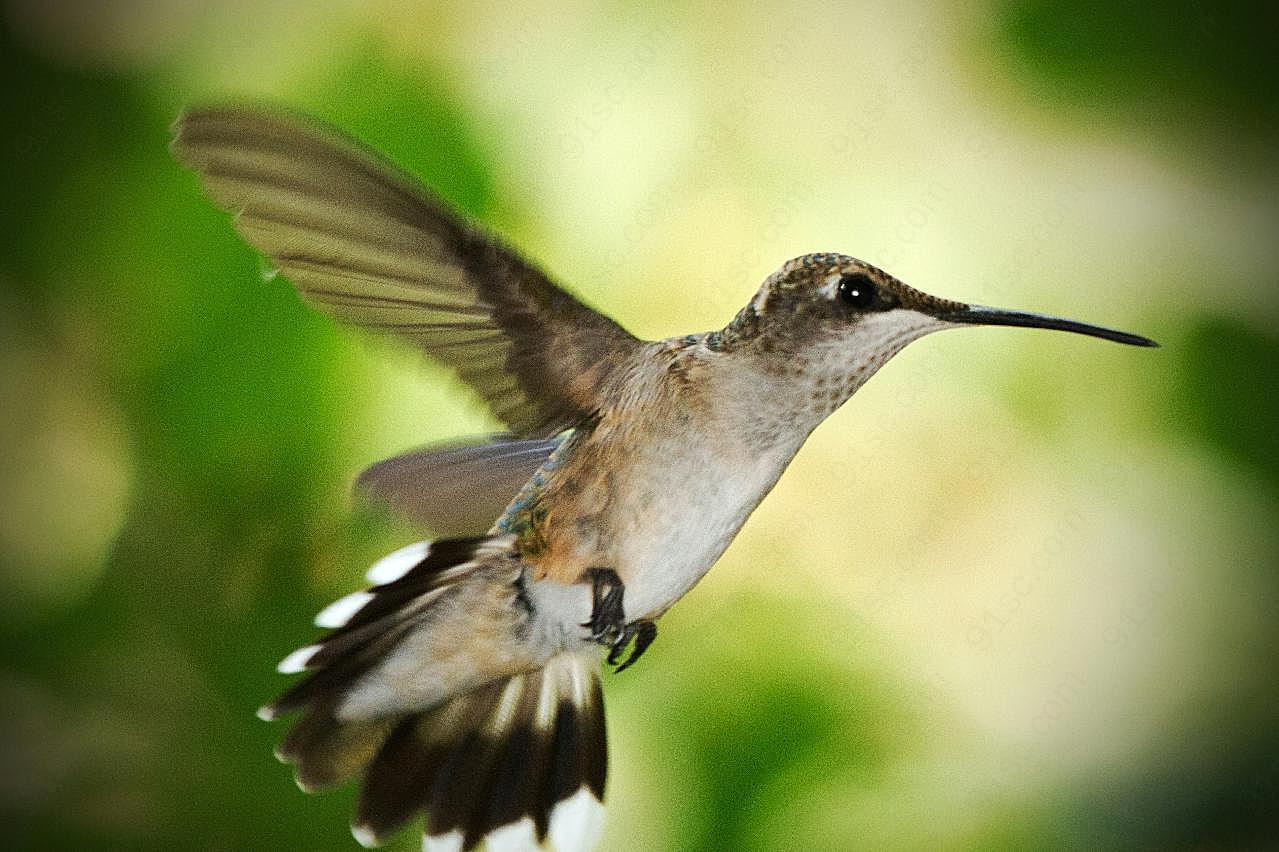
(368, 244)
(457, 490)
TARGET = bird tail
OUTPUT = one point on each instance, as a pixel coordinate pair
(513, 760)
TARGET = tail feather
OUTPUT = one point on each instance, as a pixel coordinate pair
(542, 743)
(512, 761)
(367, 625)
(496, 764)
(520, 772)
(399, 781)
(442, 563)
(325, 751)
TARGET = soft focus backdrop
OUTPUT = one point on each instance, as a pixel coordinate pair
(1021, 592)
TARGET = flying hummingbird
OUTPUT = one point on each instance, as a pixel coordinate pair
(463, 683)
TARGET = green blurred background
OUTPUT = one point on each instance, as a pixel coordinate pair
(1020, 593)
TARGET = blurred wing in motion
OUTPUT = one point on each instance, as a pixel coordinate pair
(365, 242)
(455, 491)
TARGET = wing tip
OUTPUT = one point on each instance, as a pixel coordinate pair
(195, 122)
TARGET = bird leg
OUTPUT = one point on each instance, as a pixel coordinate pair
(608, 624)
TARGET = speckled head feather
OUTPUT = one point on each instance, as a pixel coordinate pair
(825, 323)
(801, 301)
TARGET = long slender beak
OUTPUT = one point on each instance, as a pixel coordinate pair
(982, 315)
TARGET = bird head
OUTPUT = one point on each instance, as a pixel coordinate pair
(834, 320)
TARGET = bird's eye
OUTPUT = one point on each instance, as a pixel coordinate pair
(857, 290)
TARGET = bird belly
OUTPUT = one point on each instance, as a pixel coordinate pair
(674, 532)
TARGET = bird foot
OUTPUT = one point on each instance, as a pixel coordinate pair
(608, 624)
(643, 632)
(608, 619)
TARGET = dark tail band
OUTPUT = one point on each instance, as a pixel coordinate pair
(513, 763)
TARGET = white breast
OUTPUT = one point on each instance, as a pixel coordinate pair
(684, 518)
(672, 526)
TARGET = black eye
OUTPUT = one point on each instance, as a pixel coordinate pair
(857, 290)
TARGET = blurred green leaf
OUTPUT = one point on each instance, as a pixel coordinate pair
(1135, 57)
(1227, 393)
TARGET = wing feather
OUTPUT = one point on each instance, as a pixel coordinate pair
(457, 490)
(366, 243)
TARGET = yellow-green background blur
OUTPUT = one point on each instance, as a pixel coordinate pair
(1020, 593)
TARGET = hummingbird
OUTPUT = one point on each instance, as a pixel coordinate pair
(462, 686)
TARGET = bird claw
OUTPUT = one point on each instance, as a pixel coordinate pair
(608, 620)
(643, 632)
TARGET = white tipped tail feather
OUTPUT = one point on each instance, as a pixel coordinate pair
(519, 836)
(364, 837)
(341, 610)
(398, 693)
(451, 842)
(296, 662)
(395, 565)
(577, 821)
